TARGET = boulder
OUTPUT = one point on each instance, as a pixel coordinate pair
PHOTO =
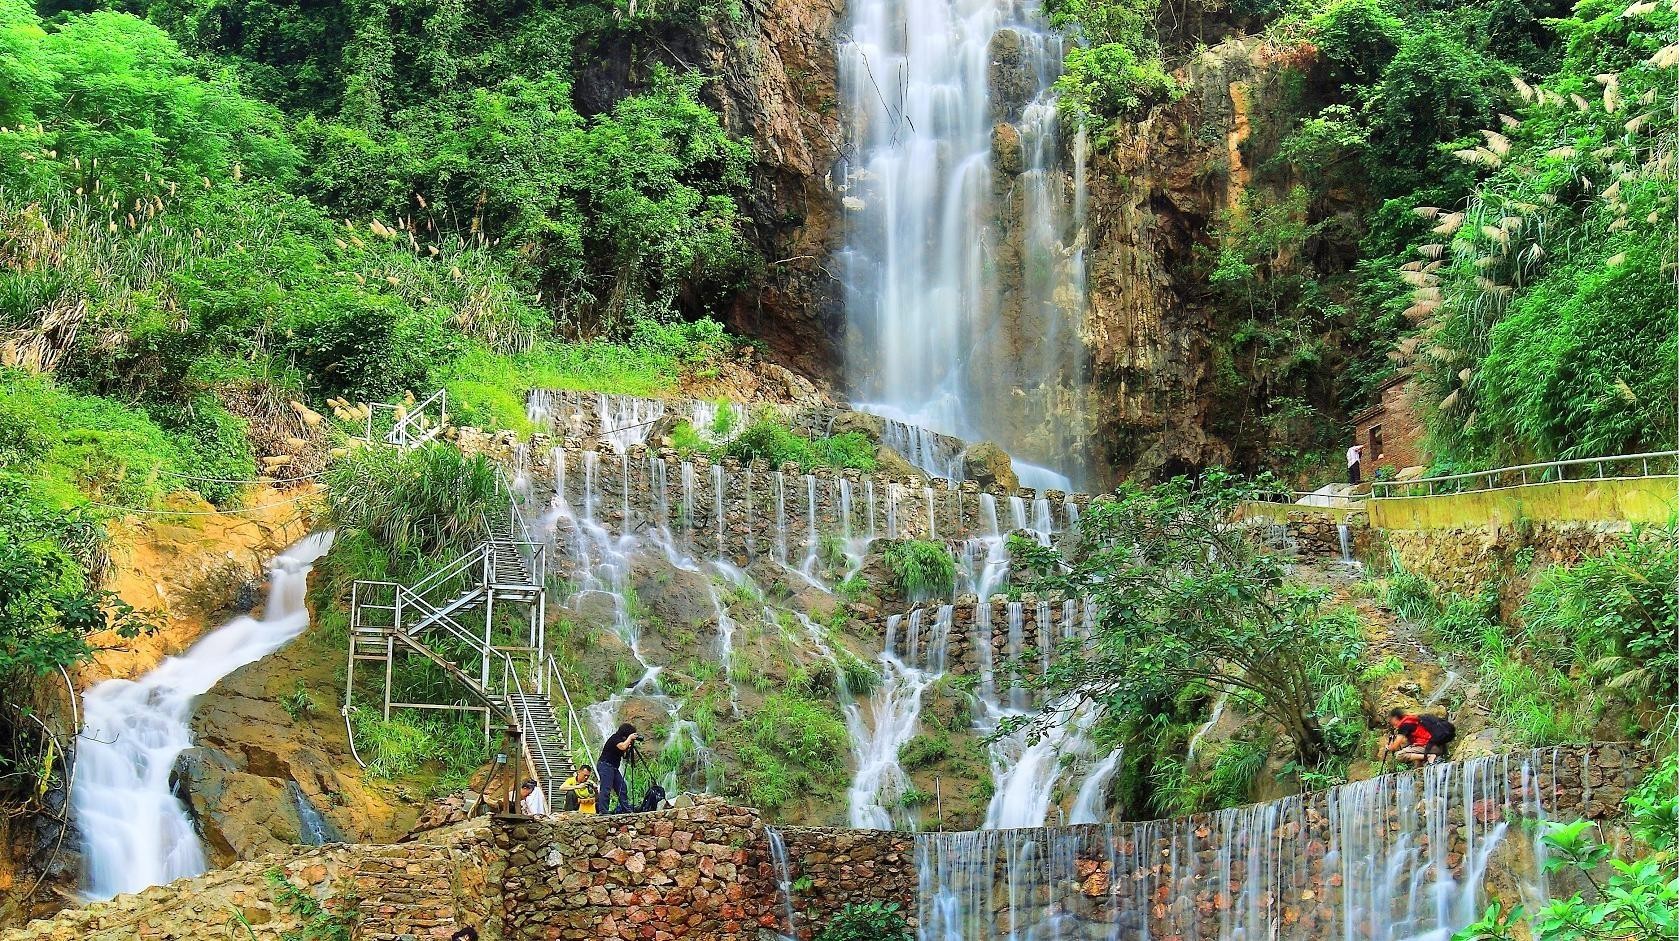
(1009, 75)
(989, 465)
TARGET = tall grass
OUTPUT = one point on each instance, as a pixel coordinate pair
(418, 504)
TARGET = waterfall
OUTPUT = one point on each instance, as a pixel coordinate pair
(963, 265)
(935, 454)
(784, 877)
(896, 707)
(135, 832)
(1091, 801)
(625, 420)
(1402, 856)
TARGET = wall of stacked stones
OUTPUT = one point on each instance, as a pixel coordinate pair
(766, 511)
(1474, 558)
(694, 872)
(707, 871)
(1184, 878)
(1313, 534)
(832, 868)
(423, 889)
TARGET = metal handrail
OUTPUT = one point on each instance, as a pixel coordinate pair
(513, 699)
(1548, 472)
(1294, 497)
(574, 725)
(399, 434)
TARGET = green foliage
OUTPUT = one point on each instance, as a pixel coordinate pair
(790, 745)
(1185, 600)
(775, 443)
(921, 568)
(80, 447)
(318, 921)
(1110, 82)
(1116, 71)
(923, 750)
(866, 921)
(298, 703)
(451, 745)
(420, 503)
(1613, 616)
(1636, 900)
(51, 561)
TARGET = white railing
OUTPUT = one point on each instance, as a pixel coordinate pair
(413, 424)
(1311, 498)
(511, 701)
(1620, 466)
(576, 731)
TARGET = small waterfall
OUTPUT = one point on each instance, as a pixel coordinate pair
(781, 518)
(135, 832)
(896, 708)
(935, 454)
(717, 505)
(784, 878)
(1402, 856)
(1347, 543)
(626, 421)
(316, 829)
(808, 567)
(704, 418)
(1091, 802)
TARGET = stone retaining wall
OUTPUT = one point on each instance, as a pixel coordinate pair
(424, 889)
(707, 870)
(784, 512)
(1470, 560)
(1310, 532)
(1023, 633)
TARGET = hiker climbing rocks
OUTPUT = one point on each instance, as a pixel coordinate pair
(1417, 739)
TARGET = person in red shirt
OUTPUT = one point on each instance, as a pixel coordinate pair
(1411, 742)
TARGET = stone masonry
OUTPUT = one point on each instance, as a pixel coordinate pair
(707, 871)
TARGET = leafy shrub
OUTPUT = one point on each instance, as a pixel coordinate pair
(924, 750)
(866, 921)
(790, 745)
(1614, 615)
(921, 569)
(776, 444)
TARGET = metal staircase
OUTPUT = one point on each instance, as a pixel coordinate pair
(451, 618)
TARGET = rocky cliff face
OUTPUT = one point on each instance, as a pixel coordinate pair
(772, 71)
(1155, 192)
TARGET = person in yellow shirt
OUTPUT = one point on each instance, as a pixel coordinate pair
(581, 786)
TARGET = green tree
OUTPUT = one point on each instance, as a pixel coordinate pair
(1186, 599)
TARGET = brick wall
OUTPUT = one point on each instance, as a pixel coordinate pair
(1401, 429)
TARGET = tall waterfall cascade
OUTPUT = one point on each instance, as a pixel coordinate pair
(964, 262)
(135, 832)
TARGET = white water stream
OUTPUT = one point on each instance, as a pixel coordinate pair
(963, 265)
(135, 832)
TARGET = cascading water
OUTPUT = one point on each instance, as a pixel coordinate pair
(1092, 800)
(135, 832)
(963, 266)
(1401, 856)
(896, 708)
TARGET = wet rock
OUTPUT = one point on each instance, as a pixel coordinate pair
(1007, 156)
(1009, 75)
(989, 465)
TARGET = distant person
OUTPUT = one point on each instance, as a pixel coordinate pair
(531, 800)
(1418, 739)
(608, 768)
(580, 789)
(1354, 455)
(465, 934)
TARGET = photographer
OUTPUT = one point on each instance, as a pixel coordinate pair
(614, 789)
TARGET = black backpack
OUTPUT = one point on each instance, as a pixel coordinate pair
(1440, 729)
(652, 798)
